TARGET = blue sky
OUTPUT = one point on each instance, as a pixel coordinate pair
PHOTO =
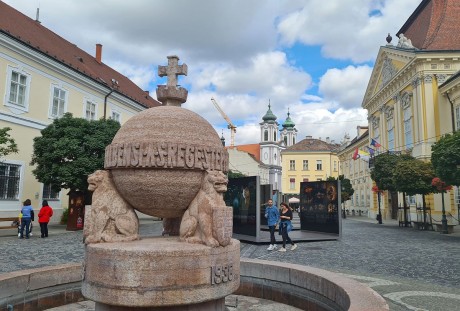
(313, 57)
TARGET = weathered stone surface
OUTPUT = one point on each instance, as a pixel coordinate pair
(160, 272)
(158, 159)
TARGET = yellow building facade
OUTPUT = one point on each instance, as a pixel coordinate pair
(358, 172)
(43, 76)
(409, 99)
(308, 160)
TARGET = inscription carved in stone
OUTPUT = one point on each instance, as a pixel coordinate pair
(166, 155)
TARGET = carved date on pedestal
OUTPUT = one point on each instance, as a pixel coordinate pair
(222, 273)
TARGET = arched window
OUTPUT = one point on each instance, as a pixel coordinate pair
(293, 140)
(274, 135)
(265, 135)
(285, 140)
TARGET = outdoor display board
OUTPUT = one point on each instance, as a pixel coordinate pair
(319, 206)
(242, 196)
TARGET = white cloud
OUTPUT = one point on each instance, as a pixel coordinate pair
(345, 86)
(235, 53)
(346, 29)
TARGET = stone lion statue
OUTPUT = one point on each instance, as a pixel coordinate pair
(111, 218)
(197, 221)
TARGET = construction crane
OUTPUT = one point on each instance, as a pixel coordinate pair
(229, 122)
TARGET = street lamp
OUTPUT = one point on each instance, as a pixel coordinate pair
(442, 187)
(378, 191)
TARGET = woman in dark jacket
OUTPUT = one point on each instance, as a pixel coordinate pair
(286, 226)
(44, 218)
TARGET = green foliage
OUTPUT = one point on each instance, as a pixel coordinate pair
(232, 174)
(384, 165)
(446, 158)
(7, 144)
(70, 149)
(413, 176)
(347, 190)
(64, 216)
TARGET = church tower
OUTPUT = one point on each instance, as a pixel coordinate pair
(270, 149)
(289, 132)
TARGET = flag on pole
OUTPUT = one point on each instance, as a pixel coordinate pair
(375, 143)
(363, 155)
(355, 154)
(371, 151)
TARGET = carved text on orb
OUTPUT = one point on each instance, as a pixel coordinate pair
(165, 155)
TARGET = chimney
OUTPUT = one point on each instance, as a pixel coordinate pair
(37, 18)
(327, 140)
(99, 53)
(309, 137)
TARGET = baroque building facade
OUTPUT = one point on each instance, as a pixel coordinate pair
(409, 95)
(43, 76)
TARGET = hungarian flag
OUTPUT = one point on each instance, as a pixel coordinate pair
(375, 143)
(355, 154)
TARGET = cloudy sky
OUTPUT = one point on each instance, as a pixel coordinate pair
(313, 57)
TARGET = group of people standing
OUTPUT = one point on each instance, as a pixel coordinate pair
(27, 216)
(282, 218)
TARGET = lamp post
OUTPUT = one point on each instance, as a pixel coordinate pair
(442, 187)
(378, 191)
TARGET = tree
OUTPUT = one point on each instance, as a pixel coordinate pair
(70, 149)
(446, 158)
(413, 177)
(382, 174)
(384, 165)
(7, 144)
(232, 174)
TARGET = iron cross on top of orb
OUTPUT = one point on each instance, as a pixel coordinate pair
(172, 70)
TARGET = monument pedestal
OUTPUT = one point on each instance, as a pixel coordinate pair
(160, 273)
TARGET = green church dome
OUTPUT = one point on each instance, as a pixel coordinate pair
(269, 116)
(288, 123)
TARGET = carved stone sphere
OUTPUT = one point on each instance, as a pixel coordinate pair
(158, 159)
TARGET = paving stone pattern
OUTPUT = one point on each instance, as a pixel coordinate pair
(412, 269)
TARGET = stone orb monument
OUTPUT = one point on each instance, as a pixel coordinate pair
(166, 162)
(158, 159)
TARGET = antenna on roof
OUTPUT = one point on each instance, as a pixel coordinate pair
(37, 18)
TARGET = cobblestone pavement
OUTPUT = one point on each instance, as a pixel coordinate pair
(412, 269)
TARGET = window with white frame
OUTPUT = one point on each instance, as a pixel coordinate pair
(457, 118)
(115, 116)
(59, 102)
(305, 165)
(407, 114)
(319, 165)
(10, 175)
(292, 165)
(18, 89)
(90, 110)
(291, 183)
(49, 193)
(391, 133)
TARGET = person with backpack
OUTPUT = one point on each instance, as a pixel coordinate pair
(44, 218)
(26, 211)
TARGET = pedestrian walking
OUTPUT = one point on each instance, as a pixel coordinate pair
(286, 226)
(272, 214)
(26, 219)
(44, 218)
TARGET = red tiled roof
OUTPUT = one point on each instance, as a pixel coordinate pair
(313, 145)
(434, 25)
(253, 149)
(31, 33)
